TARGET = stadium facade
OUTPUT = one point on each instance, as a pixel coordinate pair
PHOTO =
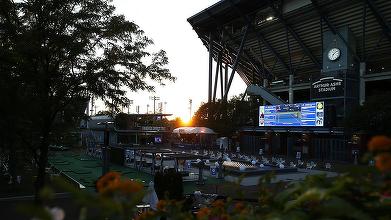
(337, 52)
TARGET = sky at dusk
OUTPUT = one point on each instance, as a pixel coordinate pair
(166, 23)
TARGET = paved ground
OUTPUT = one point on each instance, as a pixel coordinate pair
(286, 177)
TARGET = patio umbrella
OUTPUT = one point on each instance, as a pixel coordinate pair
(193, 130)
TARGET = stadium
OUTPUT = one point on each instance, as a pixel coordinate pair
(293, 53)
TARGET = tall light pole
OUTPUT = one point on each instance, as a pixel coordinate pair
(129, 104)
(154, 98)
(147, 108)
(160, 107)
(190, 104)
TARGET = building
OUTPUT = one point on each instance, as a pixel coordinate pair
(126, 130)
(294, 51)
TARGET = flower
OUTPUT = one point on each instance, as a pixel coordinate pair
(379, 143)
(218, 203)
(203, 212)
(108, 182)
(129, 186)
(383, 162)
(145, 215)
(239, 206)
(161, 205)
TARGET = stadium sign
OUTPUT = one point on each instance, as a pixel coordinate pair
(327, 87)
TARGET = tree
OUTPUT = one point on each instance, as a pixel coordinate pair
(223, 117)
(60, 51)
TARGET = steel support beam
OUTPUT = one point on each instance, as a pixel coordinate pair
(334, 29)
(216, 75)
(290, 90)
(377, 76)
(225, 79)
(235, 63)
(362, 83)
(364, 19)
(210, 67)
(265, 85)
(295, 35)
(221, 79)
(248, 56)
(262, 38)
(380, 19)
(265, 94)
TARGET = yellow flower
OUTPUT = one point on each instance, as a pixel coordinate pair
(379, 143)
(383, 162)
(107, 182)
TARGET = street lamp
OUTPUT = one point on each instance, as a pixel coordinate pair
(129, 104)
(154, 98)
(190, 104)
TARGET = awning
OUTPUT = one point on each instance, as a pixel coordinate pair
(193, 130)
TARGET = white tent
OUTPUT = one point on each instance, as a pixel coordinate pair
(193, 130)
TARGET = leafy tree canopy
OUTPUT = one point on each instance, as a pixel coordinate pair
(224, 117)
(54, 53)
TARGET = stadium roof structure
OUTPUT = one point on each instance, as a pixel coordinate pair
(274, 38)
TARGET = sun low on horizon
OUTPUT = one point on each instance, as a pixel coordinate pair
(185, 121)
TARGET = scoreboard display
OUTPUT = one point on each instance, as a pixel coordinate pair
(299, 114)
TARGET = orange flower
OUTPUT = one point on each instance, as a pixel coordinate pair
(108, 181)
(379, 143)
(239, 206)
(145, 215)
(129, 186)
(203, 212)
(383, 162)
(218, 203)
(161, 205)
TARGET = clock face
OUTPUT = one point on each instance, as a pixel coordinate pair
(334, 54)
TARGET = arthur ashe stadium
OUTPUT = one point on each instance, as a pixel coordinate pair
(310, 61)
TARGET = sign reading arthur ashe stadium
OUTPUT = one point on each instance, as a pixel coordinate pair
(299, 114)
(327, 87)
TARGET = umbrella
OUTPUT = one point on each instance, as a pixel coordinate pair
(193, 130)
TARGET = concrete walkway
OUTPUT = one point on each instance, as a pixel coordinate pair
(287, 177)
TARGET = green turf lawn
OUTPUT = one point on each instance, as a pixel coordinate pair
(86, 170)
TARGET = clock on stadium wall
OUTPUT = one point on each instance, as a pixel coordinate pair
(336, 52)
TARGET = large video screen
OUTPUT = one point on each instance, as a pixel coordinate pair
(299, 114)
